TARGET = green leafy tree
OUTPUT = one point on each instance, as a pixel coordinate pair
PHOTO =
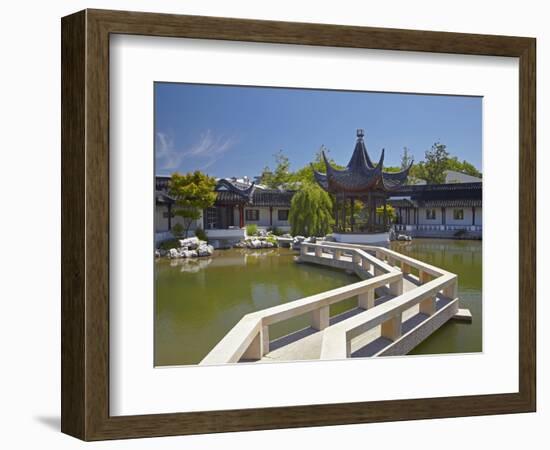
(192, 192)
(280, 175)
(435, 164)
(406, 158)
(310, 211)
(305, 174)
(417, 172)
(463, 166)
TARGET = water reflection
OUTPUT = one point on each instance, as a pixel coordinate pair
(465, 259)
(198, 300)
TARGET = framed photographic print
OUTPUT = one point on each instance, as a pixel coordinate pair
(270, 224)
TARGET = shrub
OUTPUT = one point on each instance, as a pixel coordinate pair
(177, 230)
(170, 243)
(201, 234)
(276, 231)
(252, 229)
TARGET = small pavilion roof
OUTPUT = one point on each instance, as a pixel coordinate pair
(361, 175)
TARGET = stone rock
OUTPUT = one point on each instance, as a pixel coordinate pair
(205, 250)
(191, 243)
(157, 253)
(163, 252)
(255, 243)
(173, 253)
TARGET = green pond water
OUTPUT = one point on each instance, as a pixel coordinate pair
(198, 301)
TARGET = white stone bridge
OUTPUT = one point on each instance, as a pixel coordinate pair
(401, 301)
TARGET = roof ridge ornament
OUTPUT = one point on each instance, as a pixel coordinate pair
(360, 133)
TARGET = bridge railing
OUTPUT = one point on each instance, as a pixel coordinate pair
(433, 280)
(249, 338)
(360, 258)
(338, 338)
(426, 272)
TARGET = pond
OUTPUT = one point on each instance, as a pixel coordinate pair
(464, 258)
(199, 300)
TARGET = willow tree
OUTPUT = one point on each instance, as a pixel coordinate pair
(310, 211)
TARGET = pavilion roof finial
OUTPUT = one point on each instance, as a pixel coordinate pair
(360, 133)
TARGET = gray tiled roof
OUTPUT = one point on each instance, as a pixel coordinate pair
(360, 175)
(260, 197)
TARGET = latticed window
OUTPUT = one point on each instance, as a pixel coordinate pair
(430, 214)
(252, 215)
(458, 214)
(282, 214)
(211, 218)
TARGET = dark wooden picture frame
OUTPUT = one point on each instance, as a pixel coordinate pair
(85, 224)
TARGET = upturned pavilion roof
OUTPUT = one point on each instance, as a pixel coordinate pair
(238, 191)
(361, 175)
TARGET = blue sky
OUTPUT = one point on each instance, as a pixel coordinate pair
(234, 131)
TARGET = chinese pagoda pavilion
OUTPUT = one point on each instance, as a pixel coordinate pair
(364, 181)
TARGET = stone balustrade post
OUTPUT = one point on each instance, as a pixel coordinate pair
(396, 288)
(366, 299)
(451, 290)
(318, 252)
(428, 306)
(391, 328)
(366, 264)
(320, 318)
(255, 349)
(265, 340)
(424, 277)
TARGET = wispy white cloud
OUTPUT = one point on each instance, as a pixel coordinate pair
(206, 150)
